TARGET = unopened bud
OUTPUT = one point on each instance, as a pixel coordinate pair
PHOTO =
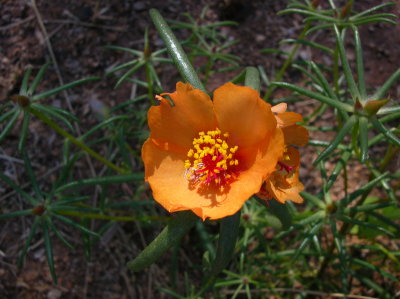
(372, 107)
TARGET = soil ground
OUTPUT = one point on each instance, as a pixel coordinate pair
(76, 32)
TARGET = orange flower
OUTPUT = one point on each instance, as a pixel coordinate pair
(283, 184)
(210, 156)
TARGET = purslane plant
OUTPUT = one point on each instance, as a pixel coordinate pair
(198, 157)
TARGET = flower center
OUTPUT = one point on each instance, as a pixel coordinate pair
(211, 159)
(282, 164)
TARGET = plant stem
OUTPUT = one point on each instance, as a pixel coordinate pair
(75, 141)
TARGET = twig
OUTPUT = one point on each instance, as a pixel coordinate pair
(90, 25)
(7, 27)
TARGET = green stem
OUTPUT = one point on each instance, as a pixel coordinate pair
(75, 141)
(287, 63)
(176, 51)
(149, 80)
(170, 236)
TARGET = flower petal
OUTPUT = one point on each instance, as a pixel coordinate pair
(250, 180)
(243, 114)
(279, 108)
(295, 135)
(174, 127)
(290, 191)
(165, 172)
(288, 119)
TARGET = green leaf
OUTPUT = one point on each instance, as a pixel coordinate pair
(49, 111)
(363, 127)
(62, 88)
(338, 139)
(372, 9)
(380, 127)
(366, 207)
(105, 180)
(252, 78)
(371, 284)
(122, 66)
(281, 212)
(16, 214)
(346, 67)
(103, 124)
(37, 79)
(10, 125)
(365, 224)
(359, 63)
(171, 235)
(308, 43)
(344, 158)
(49, 252)
(319, 97)
(324, 83)
(175, 50)
(28, 242)
(126, 50)
(309, 236)
(364, 188)
(24, 195)
(31, 175)
(228, 232)
(380, 93)
(24, 131)
(311, 198)
(59, 235)
(75, 225)
(128, 73)
(369, 266)
(24, 85)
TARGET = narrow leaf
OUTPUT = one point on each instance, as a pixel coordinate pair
(49, 252)
(338, 139)
(380, 127)
(359, 63)
(346, 67)
(228, 233)
(13, 185)
(311, 198)
(364, 188)
(75, 225)
(24, 131)
(28, 242)
(24, 85)
(316, 96)
(175, 50)
(252, 78)
(64, 87)
(344, 157)
(16, 214)
(170, 236)
(363, 127)
(10, 125)
(380, 93)
(105, 180)
(37, 79)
